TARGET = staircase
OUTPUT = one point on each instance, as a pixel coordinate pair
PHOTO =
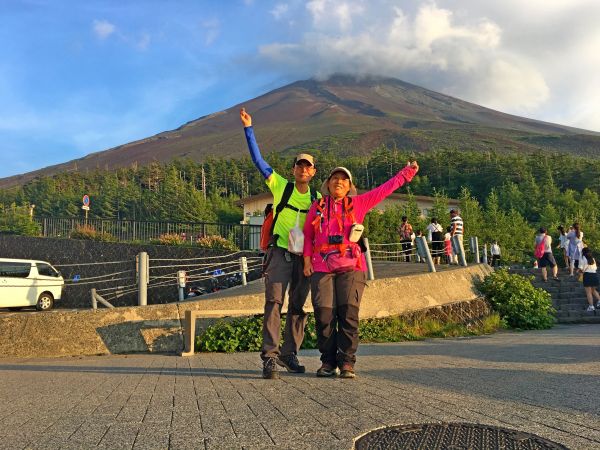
(568, 296)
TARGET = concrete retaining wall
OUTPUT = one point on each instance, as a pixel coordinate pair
(73, 251)
(158, 328)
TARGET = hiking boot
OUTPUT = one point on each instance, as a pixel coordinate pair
(347, 371)
(291, 363)
(270, 369)
(327, 370)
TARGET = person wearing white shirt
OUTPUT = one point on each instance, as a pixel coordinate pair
(587, 265)
(495, 251)
(435, 237)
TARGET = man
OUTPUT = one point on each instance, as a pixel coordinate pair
(282, 268)
(406, 238)
(456, 229)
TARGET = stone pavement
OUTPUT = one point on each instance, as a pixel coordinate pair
(543, 382)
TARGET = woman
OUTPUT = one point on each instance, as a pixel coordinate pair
(563, 244)
(547, 258)
(334, 261)
(587, 265)
(435, 236)
(575, 237)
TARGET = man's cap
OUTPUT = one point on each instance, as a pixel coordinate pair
(305, 157)
(325, 185)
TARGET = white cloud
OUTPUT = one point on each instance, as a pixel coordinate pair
(334, 14)
(103, 29)
(279, 10)
(212, 29)
(537, 59)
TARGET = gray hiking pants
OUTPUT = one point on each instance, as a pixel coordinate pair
(282, 270)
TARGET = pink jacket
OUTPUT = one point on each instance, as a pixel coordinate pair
(362, 204)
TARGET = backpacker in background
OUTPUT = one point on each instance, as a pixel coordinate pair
(266, 230)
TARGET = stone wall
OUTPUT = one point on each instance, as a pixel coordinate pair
(159, 327)
(67, 252)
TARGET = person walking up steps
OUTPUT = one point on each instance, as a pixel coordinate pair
(282, 268)
(587, 265)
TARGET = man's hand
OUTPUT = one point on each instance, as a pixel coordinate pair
(246, 119)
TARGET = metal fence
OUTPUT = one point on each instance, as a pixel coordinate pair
(246, 237)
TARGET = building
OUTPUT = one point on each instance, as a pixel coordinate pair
(254, 205)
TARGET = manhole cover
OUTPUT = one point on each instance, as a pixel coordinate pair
(451, 436)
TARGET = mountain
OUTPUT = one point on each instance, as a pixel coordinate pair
(345, 115)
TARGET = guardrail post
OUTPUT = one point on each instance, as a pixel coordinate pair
(475, 249)
(423, 248)
(94, 302)
(143, 272)
(460, 250)
(244, 269)
(485, 259)
(370, 273)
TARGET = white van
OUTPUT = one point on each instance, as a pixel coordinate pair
(26, 282)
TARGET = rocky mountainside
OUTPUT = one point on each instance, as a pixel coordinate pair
(344, 115)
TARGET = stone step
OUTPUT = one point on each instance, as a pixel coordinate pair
(573, 306)
(580, 319)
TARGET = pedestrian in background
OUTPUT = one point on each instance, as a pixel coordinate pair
(495, 252)
(435, 237)
(575, 237)
(406, 237)
(456, 229)
(563, 244)
(547, 258)
(588, 267)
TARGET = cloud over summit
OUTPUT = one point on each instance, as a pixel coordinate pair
(468, 49)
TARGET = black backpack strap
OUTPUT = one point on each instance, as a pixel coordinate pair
(287, 193)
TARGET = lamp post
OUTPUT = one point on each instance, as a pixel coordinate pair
(31, 212)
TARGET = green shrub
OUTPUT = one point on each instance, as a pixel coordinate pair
(89, 233)
(517, 301)
(16, 220)
(216, 242)
(241, 335)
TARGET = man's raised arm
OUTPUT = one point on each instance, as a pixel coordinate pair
(265, 169)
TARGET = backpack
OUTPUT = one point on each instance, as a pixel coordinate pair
(266, 230)
(539, 248)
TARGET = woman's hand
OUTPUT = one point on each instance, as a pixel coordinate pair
(308, 267)
(413, 165)
(246, 119)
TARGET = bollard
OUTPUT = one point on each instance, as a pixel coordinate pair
(485, 260)
(244, 269)
(143, 271)
(476, 242)
(370, 273)
(423, 248)
(181, 279)
(94, 302)
(460, 250)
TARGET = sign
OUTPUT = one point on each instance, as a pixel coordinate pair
(87, 208)
(76, 278)
(86, 201)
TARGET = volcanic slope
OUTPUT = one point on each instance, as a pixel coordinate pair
(344, 115)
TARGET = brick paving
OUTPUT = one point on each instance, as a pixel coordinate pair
(543, 382)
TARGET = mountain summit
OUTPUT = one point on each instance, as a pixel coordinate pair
(347, 115)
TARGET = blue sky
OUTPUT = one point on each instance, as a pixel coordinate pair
(78, 77)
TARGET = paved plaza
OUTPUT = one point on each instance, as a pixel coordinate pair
(541, 382)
